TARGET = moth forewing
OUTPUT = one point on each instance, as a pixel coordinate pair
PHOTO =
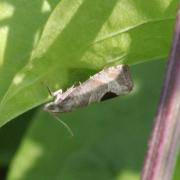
(108, 83)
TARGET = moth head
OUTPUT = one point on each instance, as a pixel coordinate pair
(51, 107)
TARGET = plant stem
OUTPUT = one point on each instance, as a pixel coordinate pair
(165, 137)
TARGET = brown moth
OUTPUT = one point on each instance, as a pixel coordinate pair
(108, 83)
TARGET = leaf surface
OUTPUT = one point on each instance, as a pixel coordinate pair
(81, 37)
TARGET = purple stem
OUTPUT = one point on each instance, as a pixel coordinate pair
(165, 138)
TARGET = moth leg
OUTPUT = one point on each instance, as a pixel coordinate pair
(93, 77)
(58, 92)
(70, 89)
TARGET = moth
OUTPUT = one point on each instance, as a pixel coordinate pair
(108, 83)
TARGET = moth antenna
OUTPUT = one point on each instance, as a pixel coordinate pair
(65, 125)
(49, 90)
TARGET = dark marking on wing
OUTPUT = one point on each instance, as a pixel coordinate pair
(108, 95)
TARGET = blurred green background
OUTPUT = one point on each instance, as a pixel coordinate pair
(110, 138)
(56, 41)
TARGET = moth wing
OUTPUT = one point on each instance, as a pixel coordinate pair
(98, 94)
(117, 88)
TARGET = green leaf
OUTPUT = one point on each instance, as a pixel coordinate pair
(19, 34)
(11, 135)
(110, 138)
(83, 36)
(176, 172)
